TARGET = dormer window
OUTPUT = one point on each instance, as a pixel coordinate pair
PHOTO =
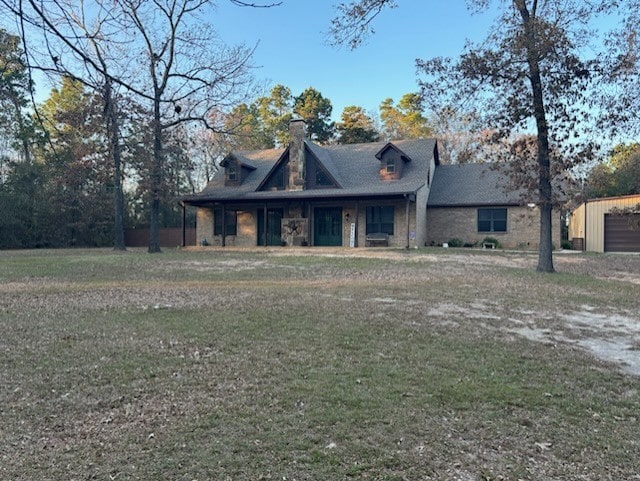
(391, 165)
(392, 162)
(232, 172)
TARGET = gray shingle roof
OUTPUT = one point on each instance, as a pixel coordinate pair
(471, 184)
(354, 166)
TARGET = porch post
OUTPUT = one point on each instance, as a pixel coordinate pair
(310, 225)
(357, 217)
(264, 227)
(224, 225)
(407, 209)
(184, 227)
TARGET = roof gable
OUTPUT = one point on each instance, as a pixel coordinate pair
(390, 146)
(354, 168)
(279, 168)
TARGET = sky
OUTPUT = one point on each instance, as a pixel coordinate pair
(293, 47)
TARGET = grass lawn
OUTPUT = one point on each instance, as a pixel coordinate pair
(318, 365)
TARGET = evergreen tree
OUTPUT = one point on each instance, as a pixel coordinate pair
(404, 120)
(316, 111)
(356, 127)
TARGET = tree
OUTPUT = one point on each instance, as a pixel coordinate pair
(78, 172)
(245, 130)
(187, 75)
(618, 94)
(356, 127)
(14, 89)
(82, 42)
(619, 175)
(527, 74)
(461, 136)
(404, 120)
(185, 72)
(316, 111)
(275, 112)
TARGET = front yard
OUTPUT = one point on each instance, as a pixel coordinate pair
(318, 365)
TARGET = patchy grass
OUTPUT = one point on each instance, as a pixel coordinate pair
(310, 365)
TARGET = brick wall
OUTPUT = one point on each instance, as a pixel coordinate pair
(204, 225)
(523, 227)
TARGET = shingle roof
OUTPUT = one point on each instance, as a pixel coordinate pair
(354, 166)
(471, 184)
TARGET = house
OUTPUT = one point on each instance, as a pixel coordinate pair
(473, 201)
(390, 194)
(594, 226)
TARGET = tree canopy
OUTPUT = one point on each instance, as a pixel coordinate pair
(356, 127)
(404, 120)
(618, 175)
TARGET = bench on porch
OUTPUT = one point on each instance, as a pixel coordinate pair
(377, 240)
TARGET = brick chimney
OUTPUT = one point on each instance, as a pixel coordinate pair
(297, 161)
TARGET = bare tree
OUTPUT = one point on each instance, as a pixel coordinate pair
(184, 71)
(82, 41)
(188, 74)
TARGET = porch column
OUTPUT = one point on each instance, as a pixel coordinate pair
(224, 225)
(407, 210)
(264, 227)
(310, 224)
(184, 227)
(356, 222)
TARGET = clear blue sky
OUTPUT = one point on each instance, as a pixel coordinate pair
(293, 47)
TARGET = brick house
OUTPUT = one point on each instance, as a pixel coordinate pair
(392, 193)
(473, 201)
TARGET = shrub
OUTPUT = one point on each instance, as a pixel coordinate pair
(567, 245)
(455, 242)
(470, 244)
(492, 240)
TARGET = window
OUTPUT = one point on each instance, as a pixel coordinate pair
(232, 172)
(277, 179)
(391, 166)
(492, 220)
(231, 222)
(322, 179)
(380, 219)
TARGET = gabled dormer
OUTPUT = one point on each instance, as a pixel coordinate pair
(392, 162)
(235, 170)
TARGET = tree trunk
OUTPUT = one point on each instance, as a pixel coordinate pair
(156, 177)
(24, 138)
(545, 256)
(113, 130)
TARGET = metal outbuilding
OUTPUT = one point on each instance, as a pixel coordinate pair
(593, 227)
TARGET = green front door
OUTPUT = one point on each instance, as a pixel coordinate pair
(327, 226)
(274, 227)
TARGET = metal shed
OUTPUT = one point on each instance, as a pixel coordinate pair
(592, 226)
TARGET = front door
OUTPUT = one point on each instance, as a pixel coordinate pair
(327, 226)
(274, 227)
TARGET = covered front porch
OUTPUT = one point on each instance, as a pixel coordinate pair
(345, 222)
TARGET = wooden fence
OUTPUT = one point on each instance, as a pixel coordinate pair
(169, 237)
